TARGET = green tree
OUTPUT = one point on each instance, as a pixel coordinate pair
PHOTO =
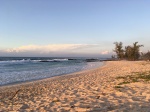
(133, 52)
(128, 53)
(136, 51)
(146, 56)
(119, 50)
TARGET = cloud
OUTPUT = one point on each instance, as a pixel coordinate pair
(49, 48)
(57, 50)
(105, 52)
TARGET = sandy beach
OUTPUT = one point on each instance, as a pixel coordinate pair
(109, 88)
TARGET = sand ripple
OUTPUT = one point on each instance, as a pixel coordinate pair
(88, 91)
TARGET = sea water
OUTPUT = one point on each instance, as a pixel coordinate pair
(21, 69)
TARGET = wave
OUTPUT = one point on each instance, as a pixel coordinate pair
(16, 61)
(30, 60)
(60, 59)
(54, 60)
(40, 71)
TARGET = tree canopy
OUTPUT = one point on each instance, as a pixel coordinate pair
(129, 53)
(146, 56)
(119, 50)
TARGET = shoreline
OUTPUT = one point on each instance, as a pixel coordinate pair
(36, 80)
(90, 90)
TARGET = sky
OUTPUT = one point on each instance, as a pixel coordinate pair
(72, 28)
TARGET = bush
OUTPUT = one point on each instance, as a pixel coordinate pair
(146, 56)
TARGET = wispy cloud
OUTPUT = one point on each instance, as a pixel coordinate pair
(105, 52)
(49, 48)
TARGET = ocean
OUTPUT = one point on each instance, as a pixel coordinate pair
(22, 69)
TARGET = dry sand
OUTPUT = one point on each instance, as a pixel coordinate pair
(90, 91)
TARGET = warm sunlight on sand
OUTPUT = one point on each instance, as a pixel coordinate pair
(95, 90)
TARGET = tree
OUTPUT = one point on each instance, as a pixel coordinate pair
(119, 50)
(130, 52)
(146, 56)
(136, 51)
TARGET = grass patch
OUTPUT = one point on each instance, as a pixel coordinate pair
(134, 77)
(120, 77)
(123, 83)
(118, 87)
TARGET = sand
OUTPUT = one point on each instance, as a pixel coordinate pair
(94, 90)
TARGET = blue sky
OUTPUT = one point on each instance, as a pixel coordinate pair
(71, 27)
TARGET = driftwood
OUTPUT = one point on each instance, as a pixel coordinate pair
(14, 94)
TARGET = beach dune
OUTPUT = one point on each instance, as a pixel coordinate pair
(86, 91)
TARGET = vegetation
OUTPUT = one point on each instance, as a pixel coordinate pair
(146, 56)
(118, 87)
(119, 50)
(129, 53)
(137, 77)
(132, 52)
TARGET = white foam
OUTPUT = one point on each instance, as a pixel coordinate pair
(60, 59)
(41, 71)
